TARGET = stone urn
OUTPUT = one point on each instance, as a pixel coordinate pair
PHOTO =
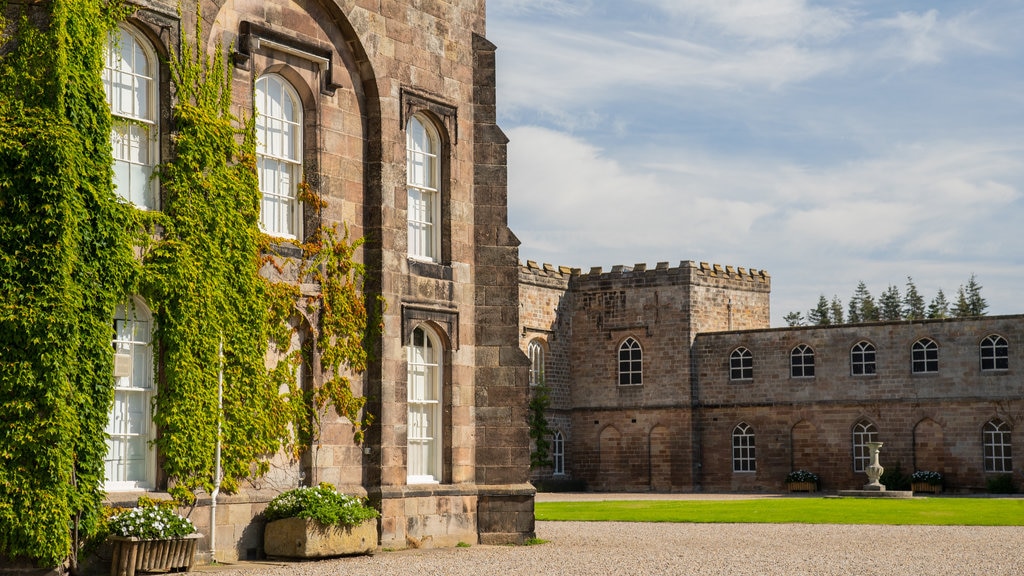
(874, 469)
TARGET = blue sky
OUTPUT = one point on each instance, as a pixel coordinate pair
(824, 142)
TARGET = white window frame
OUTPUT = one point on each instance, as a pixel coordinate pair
(631, 363)
(744, 453)
(741, 364)
(130, 429)
(801, 362)
(424, 395)
(859, 359)
(535, 351)
(998, 446)
(130, 81)
(558, 453)
(924, 357)
(279, 155)
(863, 432)
(995, 354)
(423, 186)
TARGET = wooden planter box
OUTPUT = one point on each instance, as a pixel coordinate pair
(926, 487)
(802, 486)
(133, 554)
(304, 538)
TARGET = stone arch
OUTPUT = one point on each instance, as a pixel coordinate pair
(804, 446)
(929, 453)
(610, 455)
(660, 458)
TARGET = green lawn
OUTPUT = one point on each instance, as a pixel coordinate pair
(935, 511)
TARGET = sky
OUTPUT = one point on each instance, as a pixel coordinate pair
(827, 143)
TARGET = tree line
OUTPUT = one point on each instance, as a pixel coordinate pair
(892, 305)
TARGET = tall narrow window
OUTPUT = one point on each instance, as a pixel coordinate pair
(424, 399)
(129, 462)
(535, 350)
(924, 357)
(422, 177)
(130, 82)
(998, 454)
(279, 155)
(631, 363)
(741, 364)
(995, 353)
(801, 362)
(558, 453)
(862, 359)
(863, 432)
(743, 456)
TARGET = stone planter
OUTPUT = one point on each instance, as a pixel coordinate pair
(304, 538)
(802, 486)
(133, 554)
(926, 487)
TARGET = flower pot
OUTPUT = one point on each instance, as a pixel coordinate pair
(305, 538)
(926, 487)
(802, 486)
(134, 554)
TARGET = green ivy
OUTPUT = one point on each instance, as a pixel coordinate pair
(540, 430)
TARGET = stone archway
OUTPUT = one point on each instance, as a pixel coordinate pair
(929, 452)
(660, 459)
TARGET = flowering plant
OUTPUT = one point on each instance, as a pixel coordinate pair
(150, 521)
(802, 476)
(933, 478)
(321, 503)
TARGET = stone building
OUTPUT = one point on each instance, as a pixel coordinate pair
(669, 379)
(386, 111)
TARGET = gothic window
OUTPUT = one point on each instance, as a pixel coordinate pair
(423, 184)
(925, 357)
(741, 364)
(863, 432)
(743, 456)
(995, 353)
(631, 364)
(862, 359)
(130, 81)
(279, 155)
(129, 463)
(558, 453)
(424, 399)
(535, 350)
(801, 362)
(996, 438)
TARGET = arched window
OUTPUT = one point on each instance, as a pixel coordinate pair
(924, 357)
(741, 364)
(862, 359)
(424, 399)
(801, 362)
(130, 81)
(743, 456)
(995, 353)
(998, 454)
(631, 363)
(558, 453)
(423, 183)
(279, 155)
(863, 432)
(129, 463)
(535, 350)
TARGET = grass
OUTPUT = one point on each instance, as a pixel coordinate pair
(919, 511)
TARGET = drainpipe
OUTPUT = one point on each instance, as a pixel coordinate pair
(216, 456)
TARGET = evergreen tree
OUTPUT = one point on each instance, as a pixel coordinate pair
(913, 302)
(976, 305)
(939, 307)
(890, 304)
(793, 319)
(819, 315)
(837, 310)
(862, 305)
(962, 308)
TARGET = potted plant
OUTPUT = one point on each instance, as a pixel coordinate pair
(151, 538)
(319, 522)
(802, 481)
(926, 481)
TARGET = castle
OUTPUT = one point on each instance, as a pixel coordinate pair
(670, 379)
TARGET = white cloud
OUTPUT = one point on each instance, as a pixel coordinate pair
(927, 37)
(772, 20)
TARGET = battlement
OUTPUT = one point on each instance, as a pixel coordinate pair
(547, 270)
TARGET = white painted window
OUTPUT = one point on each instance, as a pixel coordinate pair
(744, 457)
(862, 359)
(741, 364)
(130, 81)
(998, 452)
(924, 357)
(535, 350)
(558, 453)
(130, 464)
(424, 399)
(631, 363)
(279, 156)
(801, 362)
(423, 183)
(995, 353)
(863, 432)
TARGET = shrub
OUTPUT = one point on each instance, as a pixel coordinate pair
(561, 485)
(150, 520)
(802, 476)
(933, 478)
(321, 503)
(893, 478)
(1001, 484)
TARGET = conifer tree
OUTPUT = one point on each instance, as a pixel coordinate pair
(975, 303)
(939, 307)
(793, 319)
(862, 305)
(837, 310)
(890, 304)
(913, 302)
(819, 315)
